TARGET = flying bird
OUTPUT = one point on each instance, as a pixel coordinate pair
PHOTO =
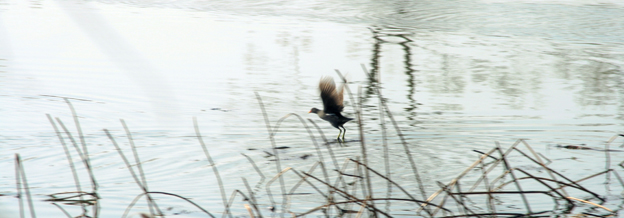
(332, 105)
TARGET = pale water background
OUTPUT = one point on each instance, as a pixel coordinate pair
(458, 76)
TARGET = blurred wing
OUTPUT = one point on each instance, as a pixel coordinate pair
(339, 96)
(332, 102)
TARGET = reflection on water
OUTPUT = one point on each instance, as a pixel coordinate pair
(400, 37)
(601, 84)
(457, 76)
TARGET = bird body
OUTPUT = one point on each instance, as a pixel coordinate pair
(336, 120)
(332, 105)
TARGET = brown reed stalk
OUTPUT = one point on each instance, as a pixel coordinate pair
(68, 198)
(403, 141)
(341, 174)
(68, 155)
(542, 179)
(384, 142)
(540, 162)
(329, 197)
(341, 180)
(298, 183)
(368, 183)
(498, 178)
(356, 178)
(574, 184)
(18, 184)
(390, 181)
(278, 166)
(214, 167)
(513, 176)
(485, 172)
(506, 192)
(548, 161)
(592, 203)
(140, 183)
(359, 201)
(362, 182)
(84, 145)
(608, 157)
(384, 138)
(268, 185)
(20, 177)
(125, 160)
(494, 165)
(490, 202)
(357, 107)
(329, 149)
(63, 210)
(253, 163)
(594, 175)
(251, 214)
(82, 156)
(327, 146)
(302, 180)
(460, 202)
(326, 196)
(561, 195)
(499, 215)
(461, 197)
(618, 177)
(233, 195)
(316, 146)
(150, 201)
(455, 181)
(253, 200)
(125, 214)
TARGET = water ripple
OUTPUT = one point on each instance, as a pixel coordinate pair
(593, 21)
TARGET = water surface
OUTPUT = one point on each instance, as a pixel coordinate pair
(458, 76)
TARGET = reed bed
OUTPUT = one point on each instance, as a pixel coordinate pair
(492, 186)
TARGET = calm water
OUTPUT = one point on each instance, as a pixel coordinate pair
(458, 76)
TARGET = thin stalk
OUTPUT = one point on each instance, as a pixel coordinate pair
(255, 167)
(150, 201)
(608, 158)
(278, 166)
(541, 163)
(85, 151)
(364, 153)
(403, 141)
(268, 185)
(68, 155)
(253, 201)
(63, 210)
(18, 183)
(490, 201)
(80, 153)
(22, 176)
(214, 167)
(364, 202)
(164, 193)
(456, 180)
(513, 176)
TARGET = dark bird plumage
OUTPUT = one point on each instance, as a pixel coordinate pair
(332, 105)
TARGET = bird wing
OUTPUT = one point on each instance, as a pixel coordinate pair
(339, 95)
(332, 100)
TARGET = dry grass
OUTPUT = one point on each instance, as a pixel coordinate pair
(489, 187)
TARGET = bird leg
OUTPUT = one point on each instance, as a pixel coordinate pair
(343, 133)
(339, 134)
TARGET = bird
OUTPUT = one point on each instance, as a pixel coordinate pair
(332, 105)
